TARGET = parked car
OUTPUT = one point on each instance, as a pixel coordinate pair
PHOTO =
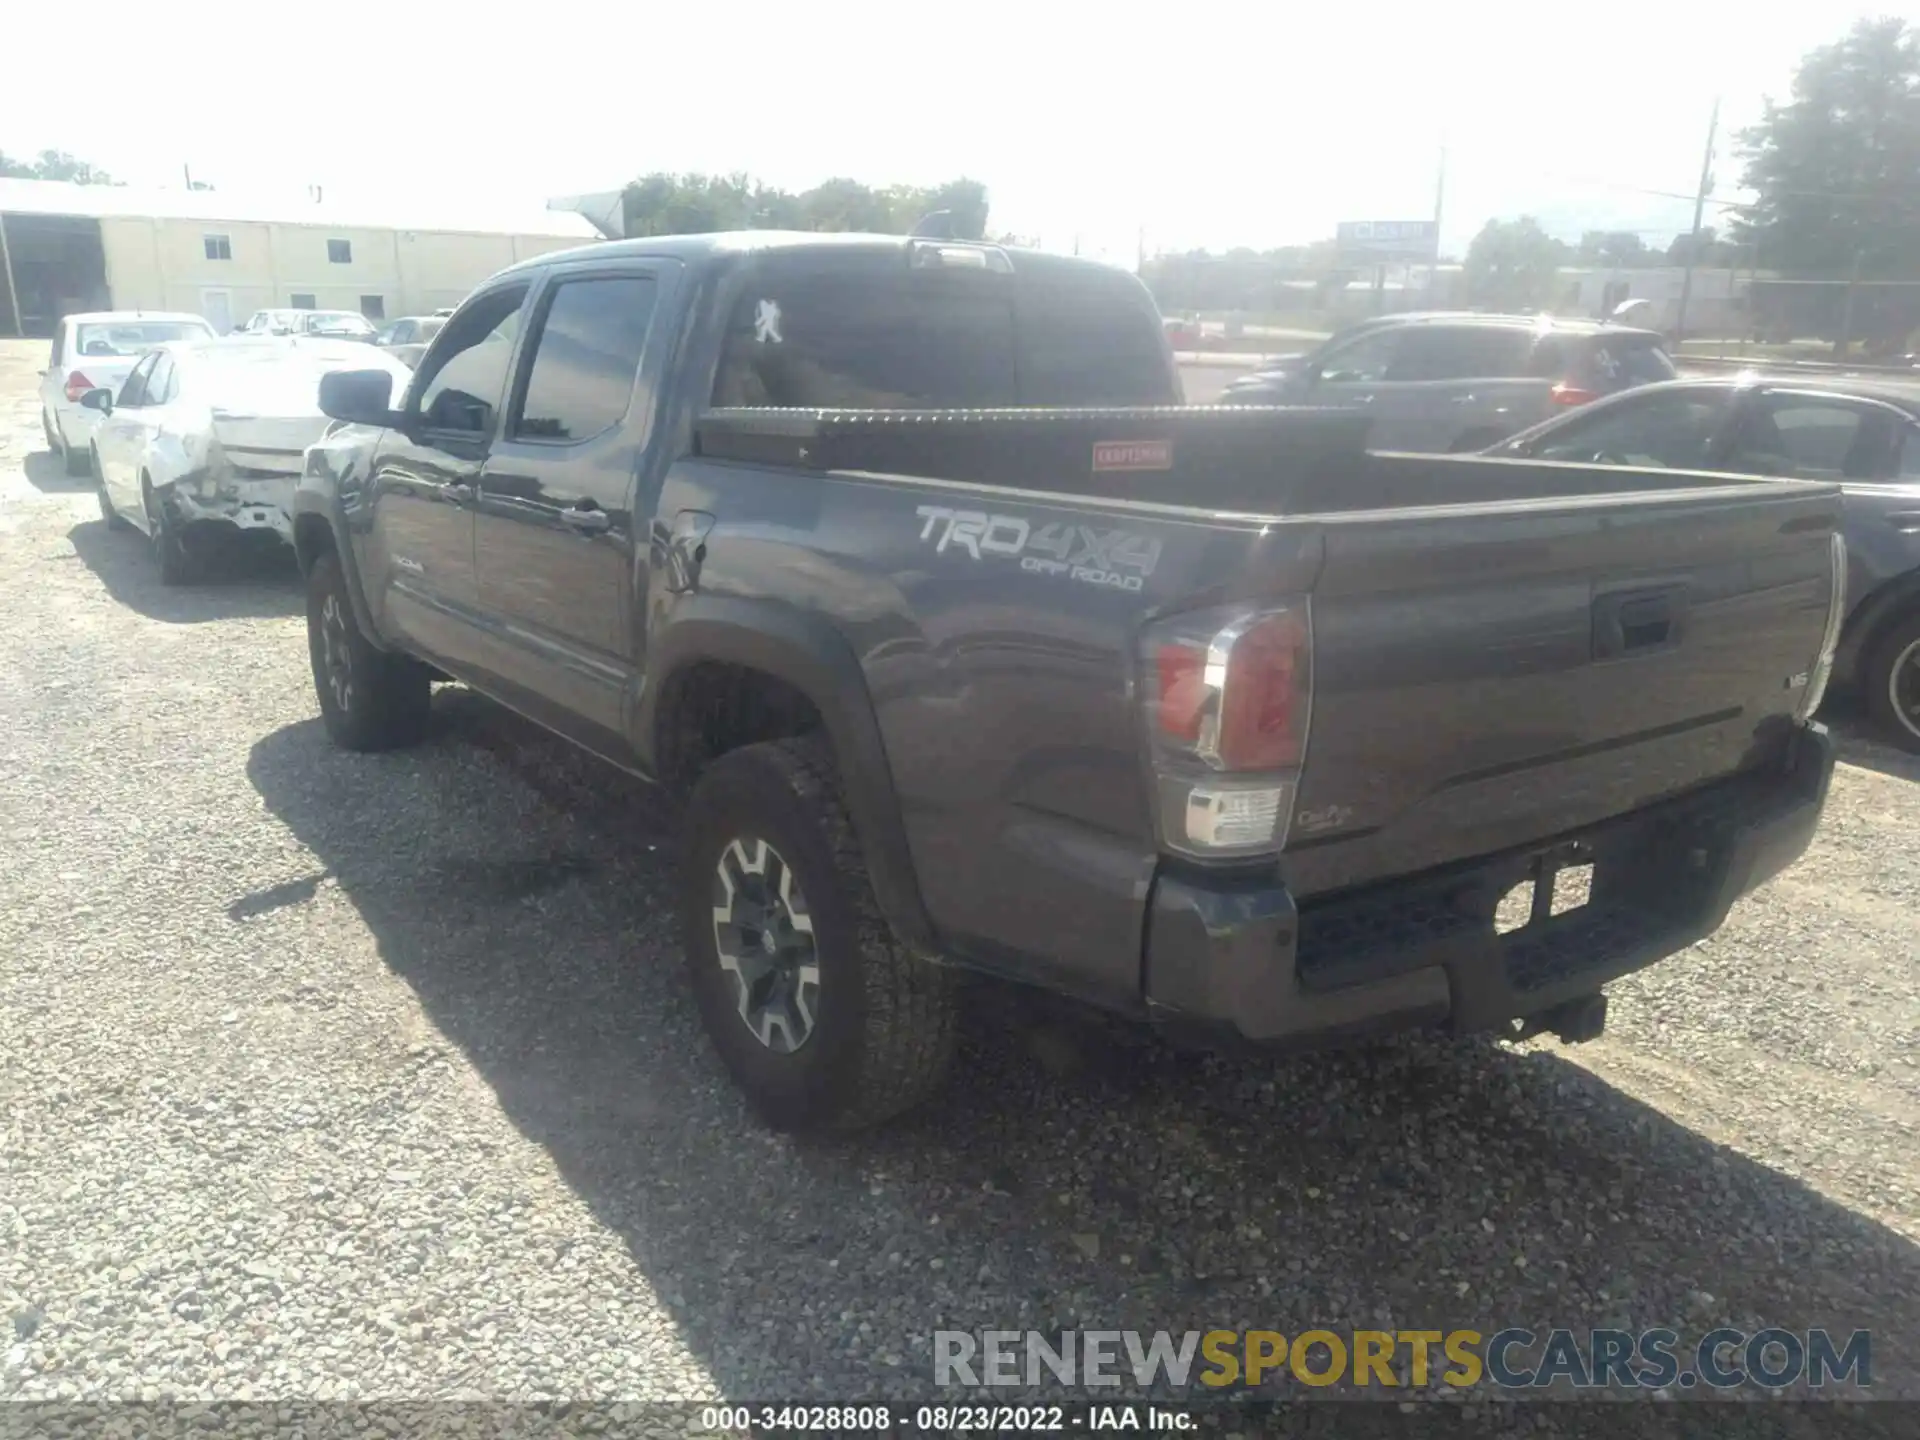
(1183, 332)
(1028, 690)
(201, 445)
(92, 351)
(336, 324)
(1862, 433)
(1439, 382)
(407, 339)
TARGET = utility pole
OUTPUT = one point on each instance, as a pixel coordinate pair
(1699, 209)
(1439, 206)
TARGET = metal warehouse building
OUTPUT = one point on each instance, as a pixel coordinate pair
(65, 248)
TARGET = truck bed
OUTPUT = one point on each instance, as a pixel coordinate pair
(1503, 651)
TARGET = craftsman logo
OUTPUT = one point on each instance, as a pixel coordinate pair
(1133, 455)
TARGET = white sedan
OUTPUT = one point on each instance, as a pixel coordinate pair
(204, 443)
(96, 350)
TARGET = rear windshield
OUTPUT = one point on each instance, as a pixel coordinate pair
(134, 337)
(1623, 360)
(272, 385)
(872, 334)
(339, 321)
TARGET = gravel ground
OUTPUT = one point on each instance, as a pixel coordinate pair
(336, 1076)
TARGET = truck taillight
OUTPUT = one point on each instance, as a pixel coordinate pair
(77, 385)
(1816, 688)
(1229, 692)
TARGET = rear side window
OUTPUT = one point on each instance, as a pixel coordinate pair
(1809, 439)
(1671, 431)
(875, 335)
(1616, 362)
(1910, 453)
(1461, 352)
(585, 358)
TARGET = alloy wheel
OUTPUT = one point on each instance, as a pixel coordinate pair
(335, 653)
(763, 935)
(1903, 687)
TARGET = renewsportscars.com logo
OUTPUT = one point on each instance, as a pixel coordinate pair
(1514, 1359)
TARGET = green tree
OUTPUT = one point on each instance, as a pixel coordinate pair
(1511, 265)
(664, 204)
(1714, 251)
(1620, 248)
(54, 165)
(1836, 170)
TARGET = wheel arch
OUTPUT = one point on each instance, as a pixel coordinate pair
(775, 656)
(317, 532)
(1884, 606)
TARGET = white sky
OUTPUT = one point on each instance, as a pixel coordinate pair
(1210, 124)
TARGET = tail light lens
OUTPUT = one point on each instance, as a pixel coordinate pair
(1816, 690)
(77, 385)
(1228, 696)
(1564, 394)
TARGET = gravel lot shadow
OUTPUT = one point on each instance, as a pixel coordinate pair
(47, 473)
(1860, 745)
(257, 583)
(1075, 1173)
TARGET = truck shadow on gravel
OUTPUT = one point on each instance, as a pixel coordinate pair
(243, 583)
(1075, 1173)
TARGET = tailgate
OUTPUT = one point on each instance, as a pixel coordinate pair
(1490, 675)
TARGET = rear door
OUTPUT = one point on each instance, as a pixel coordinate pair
(1455, 387)
(555, 542)
(425, 479)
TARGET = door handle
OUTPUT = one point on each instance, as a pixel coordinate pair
(587, 520)
(458, 493)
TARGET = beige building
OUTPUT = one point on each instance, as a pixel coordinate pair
(65, 248)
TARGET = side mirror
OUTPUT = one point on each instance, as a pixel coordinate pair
(360, 397)
(100, 399)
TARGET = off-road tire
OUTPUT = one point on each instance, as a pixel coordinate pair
(388, 702)
(1890, 649)
(883, 1035)
(177, 564)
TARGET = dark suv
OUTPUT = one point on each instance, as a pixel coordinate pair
(1437, 382)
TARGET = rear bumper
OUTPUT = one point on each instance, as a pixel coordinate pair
(260, 507)
(1424, 949)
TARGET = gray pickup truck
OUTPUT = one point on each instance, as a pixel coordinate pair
(971, 649)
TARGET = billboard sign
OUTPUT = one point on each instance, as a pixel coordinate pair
(1379, 240)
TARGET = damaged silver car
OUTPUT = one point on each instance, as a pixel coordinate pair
(202, 444)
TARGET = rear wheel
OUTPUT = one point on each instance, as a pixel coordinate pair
(1891, 678)
(820, 1014)
(177, 564)
(370, 699)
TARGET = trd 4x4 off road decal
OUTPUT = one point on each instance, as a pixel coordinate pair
(1119, 559)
